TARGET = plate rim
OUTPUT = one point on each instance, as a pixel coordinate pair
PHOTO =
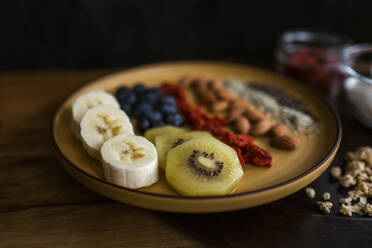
(330, 107)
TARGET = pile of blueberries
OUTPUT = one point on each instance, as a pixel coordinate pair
(149, 106)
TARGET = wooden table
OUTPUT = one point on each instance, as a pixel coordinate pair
(42, 206)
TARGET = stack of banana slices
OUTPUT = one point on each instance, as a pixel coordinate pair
(107, 134)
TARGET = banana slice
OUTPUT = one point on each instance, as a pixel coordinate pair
(130, 161)
(101, 123)
(85, 102)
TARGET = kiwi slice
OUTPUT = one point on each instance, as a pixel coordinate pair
(166, 142)
(150, 134)
(203, 166)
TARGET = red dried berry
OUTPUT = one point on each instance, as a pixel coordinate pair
(243, 144)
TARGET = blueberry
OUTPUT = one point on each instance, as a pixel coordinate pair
(129, 99)
(168, 109)
(174, 119)
(155, 90)
(139, 89)
(143, 109)
(153, 95)
(122, 90)
(126, 108)
(168, 101)
(150, 96)
(143, 124)
(123, 93)
(157, 123)
(155, 117)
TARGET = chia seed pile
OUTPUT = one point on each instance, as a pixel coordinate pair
(272, 100)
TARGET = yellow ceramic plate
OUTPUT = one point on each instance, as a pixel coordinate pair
(291, 171)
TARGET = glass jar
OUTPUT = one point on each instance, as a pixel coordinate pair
(356, 64)
(311, 58)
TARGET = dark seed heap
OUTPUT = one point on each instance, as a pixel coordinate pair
(193, 162)
(178, 142)
(149, 106)
(283, 98)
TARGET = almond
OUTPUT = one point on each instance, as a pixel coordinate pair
(200, 85)
(234, 114)
(242, 125)
(261, 127)
(195, 82)
(208, 96)
(219, 106)
(285, 142)
(254, 114)
(224, 94)
(279, 129)
(214, 85)
(186, 81)
(238, 103)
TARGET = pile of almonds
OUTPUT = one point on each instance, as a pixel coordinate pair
(243, 116)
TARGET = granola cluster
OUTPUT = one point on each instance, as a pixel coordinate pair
(325, 206)
(357, 174)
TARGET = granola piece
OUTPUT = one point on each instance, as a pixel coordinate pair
(368, 170)
(310, 192)
(325, 206)
(336, 172)
(357, 208)
(362, 177)
(352, 156)
(355, 194)
(345, 201)
(355, 167)
(362, 153)
(347, 181)
(363, 186)
(369, 193)
(365, 154)
(345, 210)
(326, 196)
(368, 209)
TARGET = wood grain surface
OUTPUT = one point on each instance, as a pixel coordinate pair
(42, 206)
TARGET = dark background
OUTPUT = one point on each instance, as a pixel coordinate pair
(108, 33)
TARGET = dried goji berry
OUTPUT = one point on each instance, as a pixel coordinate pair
(243, 144)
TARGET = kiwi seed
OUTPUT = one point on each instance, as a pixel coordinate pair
(178, 142)
(193, 163)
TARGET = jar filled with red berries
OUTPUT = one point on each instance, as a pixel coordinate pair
(312, 58)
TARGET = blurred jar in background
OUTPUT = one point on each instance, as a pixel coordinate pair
(356, 64)
(312, 58)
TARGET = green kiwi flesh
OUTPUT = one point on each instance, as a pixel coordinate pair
(203, 166)
(164, 143)
(150, 134)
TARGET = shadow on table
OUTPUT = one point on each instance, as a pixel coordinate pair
(259, 226)
(270, 226)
